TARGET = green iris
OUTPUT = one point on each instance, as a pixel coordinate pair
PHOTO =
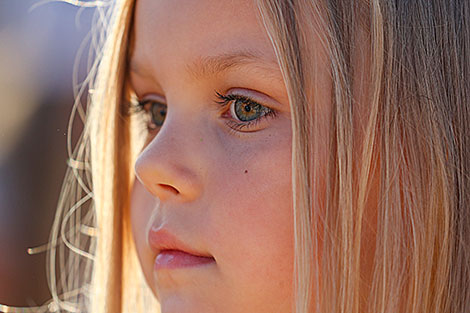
(246, 111)
(158, 111)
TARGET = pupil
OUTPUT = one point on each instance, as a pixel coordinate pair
(158, 113)
(246, 111)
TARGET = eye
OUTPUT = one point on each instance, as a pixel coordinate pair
(243, 112)
(246, 111)
(156, 110)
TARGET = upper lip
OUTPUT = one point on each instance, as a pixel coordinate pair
(161, 239)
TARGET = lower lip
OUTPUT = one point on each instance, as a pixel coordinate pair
(170, 259)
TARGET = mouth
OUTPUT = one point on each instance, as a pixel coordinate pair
(173, 259)
(173, 253)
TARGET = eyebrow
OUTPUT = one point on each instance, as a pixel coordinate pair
(206, 66)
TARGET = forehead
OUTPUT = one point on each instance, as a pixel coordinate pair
(170, 35)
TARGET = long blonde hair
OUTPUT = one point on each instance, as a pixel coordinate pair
(416, 138)
(414, 143)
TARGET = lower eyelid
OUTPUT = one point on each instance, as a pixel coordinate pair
(239, 126)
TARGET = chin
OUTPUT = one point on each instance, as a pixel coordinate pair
(177, 304)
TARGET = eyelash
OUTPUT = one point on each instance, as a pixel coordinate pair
(224, 101)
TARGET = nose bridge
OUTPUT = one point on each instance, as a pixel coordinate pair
(167, 167)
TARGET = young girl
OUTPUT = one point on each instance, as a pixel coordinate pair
(271, 156)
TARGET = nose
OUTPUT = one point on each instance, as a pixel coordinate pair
(167, 169)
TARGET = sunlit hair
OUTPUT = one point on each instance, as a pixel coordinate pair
(413, 144)
(415, 137)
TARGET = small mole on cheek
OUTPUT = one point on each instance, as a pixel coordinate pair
(246, 171)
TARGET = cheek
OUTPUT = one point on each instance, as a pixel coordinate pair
(142, 207)
(255, 209)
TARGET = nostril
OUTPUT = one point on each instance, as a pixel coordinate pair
(169, 188)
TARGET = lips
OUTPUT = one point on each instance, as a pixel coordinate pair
(170, 259)
(173, 253)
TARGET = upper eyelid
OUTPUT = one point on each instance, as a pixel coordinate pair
(150, 97)
(235, 96)
(226, 98)
(258, 99)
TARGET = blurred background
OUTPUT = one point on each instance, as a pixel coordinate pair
(38, 48)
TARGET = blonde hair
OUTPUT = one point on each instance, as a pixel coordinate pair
(417, 134)
(414, 143)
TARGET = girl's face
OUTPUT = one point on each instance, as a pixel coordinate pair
(216, 175)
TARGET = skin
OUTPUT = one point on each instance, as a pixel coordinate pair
(223, 192)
